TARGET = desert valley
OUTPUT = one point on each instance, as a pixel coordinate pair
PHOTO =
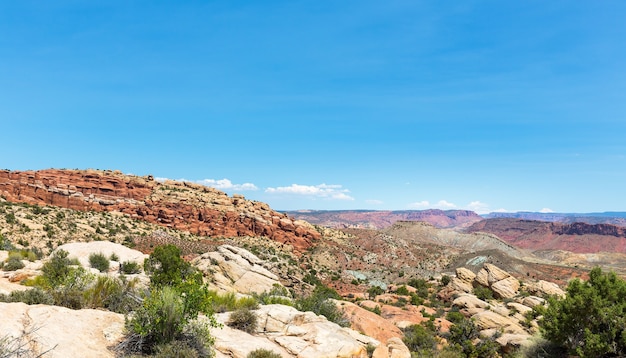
(427, 283)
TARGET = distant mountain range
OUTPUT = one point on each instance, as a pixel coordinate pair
(375, 219)
(609, 217)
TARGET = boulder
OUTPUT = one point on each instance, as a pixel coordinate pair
(63, 331)
(82, 250)
(465, 275)
(532, 301)
(488, 319)
(460, 286)
(506, 288)
(235, 269)
(545, 288)
(490, 274)
(471, 303)
(293, 334)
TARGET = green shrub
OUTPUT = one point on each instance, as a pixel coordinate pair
(130, 267)
(14, 262)
(99, 262)
(263, 353)
(402, 290)
(166, 266)
(418, 338)
(455, 317)
(159, 320)
(591, 320)
(319, 302)
(114, 257)
(175, 349)
(484, 293)
(33, 296)
(57, 268)
(374, 291)
(243, 319)
(70, 291)
(112, 293)
(445, 280)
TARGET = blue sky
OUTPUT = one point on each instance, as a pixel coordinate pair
(483, 105)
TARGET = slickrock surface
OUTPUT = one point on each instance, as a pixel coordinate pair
(69, 333)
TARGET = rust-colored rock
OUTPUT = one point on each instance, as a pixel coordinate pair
(185, 206)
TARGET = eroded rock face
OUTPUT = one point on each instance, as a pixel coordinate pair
(544, 288)
(292, 333)
(186, 206)
(233, 269)
(67, 332)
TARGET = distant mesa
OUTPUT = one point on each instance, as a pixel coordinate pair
(578, 237)
(374, 219)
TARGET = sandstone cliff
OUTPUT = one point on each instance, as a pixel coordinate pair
(185, 206)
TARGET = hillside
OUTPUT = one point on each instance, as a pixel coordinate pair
(190, 207)
(371, 219)
(540, 235)
(612, 218)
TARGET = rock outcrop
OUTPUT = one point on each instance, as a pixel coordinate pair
(62, 331)
(233, 269)
(291, 333)
(186, 206)
(576, 237)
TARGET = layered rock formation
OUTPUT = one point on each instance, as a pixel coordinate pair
(186, 206)
(539, 235)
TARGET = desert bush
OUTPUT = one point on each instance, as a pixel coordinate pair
(462, 336)
(484, 293)
(319, 302)
(445, 280)
(112, 293)
(420, 285)
(166, 267)
(243, 319)
(69, 292)
(20, 347)
(33, 296)
(227, 302)
(263, 353)
(14, 262)
(402, 290)
(130, 267)
(455, 316)
(57, 268)
(114, 257)
(374, 291)
(419, 338)
(99, 262)
(159, 320)
(177, 349)
(591, 320)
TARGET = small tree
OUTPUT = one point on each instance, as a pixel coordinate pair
(166, 266)
(591, 320)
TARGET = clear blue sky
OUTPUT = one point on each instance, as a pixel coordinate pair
(487, 105)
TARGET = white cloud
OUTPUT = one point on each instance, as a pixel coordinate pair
(326, 191)
(442, 204)
(425, 204)
(420, 204)
(546, 210)
(501, 210)
(374, 202)
(478, 207)
(225, 184)
(222, 184)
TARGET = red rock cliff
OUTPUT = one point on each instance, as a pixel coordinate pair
(185, 206)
